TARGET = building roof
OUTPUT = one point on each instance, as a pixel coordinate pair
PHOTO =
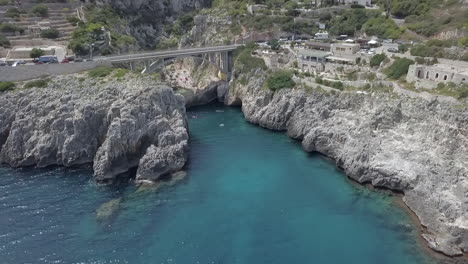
(346, 44)
(340, 59)
(314, 53)
(318, 44)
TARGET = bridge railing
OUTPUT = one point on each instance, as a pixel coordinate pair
(205, 49)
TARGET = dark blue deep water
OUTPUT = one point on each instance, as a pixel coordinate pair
(250, 196)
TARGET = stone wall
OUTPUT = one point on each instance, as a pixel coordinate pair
(430, 76)
(23, 73)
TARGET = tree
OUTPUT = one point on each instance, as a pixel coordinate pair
(51, 33)
(36, 53)
(274, 44)
(40, 10)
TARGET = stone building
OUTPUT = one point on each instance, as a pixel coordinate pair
(340, 49)
(429, 76)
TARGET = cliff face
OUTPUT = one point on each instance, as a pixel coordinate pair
(116, 126)
(414, 146)
(147, 18)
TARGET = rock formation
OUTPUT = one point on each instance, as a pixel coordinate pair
(408, 145)
(147, 18)
(116, 125)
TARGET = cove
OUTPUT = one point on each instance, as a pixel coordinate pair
(250, 196)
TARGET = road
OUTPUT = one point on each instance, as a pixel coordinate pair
(168, 53)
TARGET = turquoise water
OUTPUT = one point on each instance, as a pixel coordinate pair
(250, 196)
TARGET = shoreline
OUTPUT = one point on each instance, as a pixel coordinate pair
(397, 201)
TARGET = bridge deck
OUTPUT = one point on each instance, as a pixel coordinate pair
(168, 54)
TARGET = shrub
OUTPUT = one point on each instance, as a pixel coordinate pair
(37, 83)
(40, 10)
(280, 80)
(398, 68)
(245, 62)
(4, 2)
(403, 48)
(377, 59)
(4, 42)
(6, 86)
(99, 72)
(120, 72)
(422, 50)
(274, 44)
(73, 20)
(10, 28)
(382, 27)
(14, 12)
(51, 33)
(36, 53)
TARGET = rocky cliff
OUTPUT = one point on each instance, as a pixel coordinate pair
(147, 18)
(416, 147)
(115, 125)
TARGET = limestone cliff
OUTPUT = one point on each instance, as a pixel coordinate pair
(147, 18)
(116, 125)
(413, 146)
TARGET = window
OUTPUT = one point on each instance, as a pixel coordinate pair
(427, 75)
(437, 76)
(445, 77)
(419, 74)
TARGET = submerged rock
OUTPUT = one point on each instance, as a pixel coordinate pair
(413, 146)
(108, 209)
(116, 125)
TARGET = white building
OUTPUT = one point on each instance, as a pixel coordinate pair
(359, 2)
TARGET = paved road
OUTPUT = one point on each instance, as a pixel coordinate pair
(168, 53)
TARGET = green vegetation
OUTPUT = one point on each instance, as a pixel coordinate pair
(280, 80)
(37, 83)
(73, 20)
(382, 27)
(4, 42)
(425, 50)
(350, 21)
(420, 60)
(6, 86)
(435, 16)
(40, 10)
(99, 18)
(36, 53)
(120, 72)
(14, 12)
(99, 72)
(274, 44)
(399, 68)
(244, 62)
(451, 89)
(4, 2)
(10, 28)
(337, 85)
(377, 59)
(51, 33)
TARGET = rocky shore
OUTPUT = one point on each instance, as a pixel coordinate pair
(413, 146)
(117, 125)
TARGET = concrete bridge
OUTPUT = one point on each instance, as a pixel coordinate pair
(219, 56)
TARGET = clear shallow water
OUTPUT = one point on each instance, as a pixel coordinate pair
(251, 196)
